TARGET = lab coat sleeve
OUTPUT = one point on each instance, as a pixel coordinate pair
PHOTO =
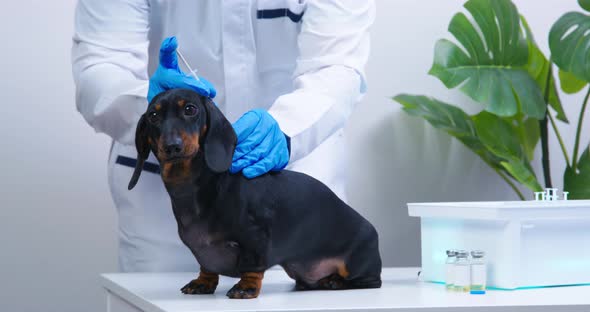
(329, 77)
(109, 64)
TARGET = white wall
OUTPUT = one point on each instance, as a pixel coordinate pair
(57, 221)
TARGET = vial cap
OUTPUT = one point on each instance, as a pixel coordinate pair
(462, 254)
(477, 253)
(451, 253)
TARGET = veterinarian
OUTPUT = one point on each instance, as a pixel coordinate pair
(291, 67)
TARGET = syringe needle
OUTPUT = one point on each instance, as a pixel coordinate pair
(187, 65)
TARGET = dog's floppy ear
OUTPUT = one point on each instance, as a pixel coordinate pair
(220, 139)
(143, 149)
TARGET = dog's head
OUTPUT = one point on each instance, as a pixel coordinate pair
(178, 125)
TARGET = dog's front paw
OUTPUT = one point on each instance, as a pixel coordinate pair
(248, 287)
(237, 292)
(199, 286)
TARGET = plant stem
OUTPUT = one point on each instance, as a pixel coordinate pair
(578, 132)
(545, 152)
(544, 131)
(558, 135)
(510, 183)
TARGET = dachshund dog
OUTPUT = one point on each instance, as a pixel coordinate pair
(240, 227)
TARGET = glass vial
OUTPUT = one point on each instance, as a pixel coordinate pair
(478, 273)
(462, 272)
(450, 268)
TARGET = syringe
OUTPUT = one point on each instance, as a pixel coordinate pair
(192, 71)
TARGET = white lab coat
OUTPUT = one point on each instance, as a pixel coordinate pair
(302, 60)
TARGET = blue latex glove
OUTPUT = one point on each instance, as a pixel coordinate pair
(169, 76)
(262, 146)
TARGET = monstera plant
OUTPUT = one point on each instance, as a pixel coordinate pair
(496, 62)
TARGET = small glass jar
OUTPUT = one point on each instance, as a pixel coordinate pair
(478, 273)
(450, 268)
(462, 272)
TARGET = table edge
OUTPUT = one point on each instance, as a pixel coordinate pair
(111, 286)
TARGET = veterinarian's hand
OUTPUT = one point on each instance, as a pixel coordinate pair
(169, 76)
(262, 146)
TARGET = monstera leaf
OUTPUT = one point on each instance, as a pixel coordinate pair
(570, 44)
(450, 119)
(491, 63)
(585, 4)
(577, 182)
(570, 84)
(532, 133)
(539, 68)
(498, 136)
(523, 174)
(489, 136)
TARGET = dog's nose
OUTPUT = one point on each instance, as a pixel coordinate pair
(173, 148)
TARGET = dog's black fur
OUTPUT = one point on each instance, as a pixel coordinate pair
(240, 227)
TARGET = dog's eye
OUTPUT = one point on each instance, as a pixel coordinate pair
(190, 110)
(154, 117)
